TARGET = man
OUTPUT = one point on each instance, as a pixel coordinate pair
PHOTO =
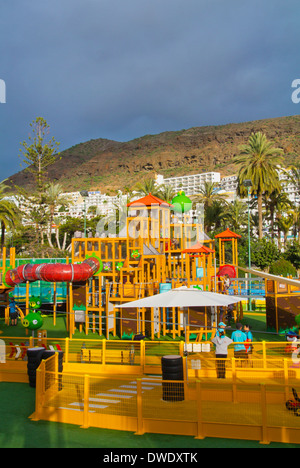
(239, 337)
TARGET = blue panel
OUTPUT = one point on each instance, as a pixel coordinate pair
(199, 272)
(164, 287)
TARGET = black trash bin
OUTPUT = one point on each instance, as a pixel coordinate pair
(172, 369)
(34, 358)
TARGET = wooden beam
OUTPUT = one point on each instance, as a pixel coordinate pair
(278, 279)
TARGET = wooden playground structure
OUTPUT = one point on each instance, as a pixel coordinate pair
(159, 249)
(158, 252)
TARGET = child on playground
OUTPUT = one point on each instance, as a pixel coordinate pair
(13, 313)
(226, 284)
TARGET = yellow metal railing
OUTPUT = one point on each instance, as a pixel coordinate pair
(199, 408)
(141, 353)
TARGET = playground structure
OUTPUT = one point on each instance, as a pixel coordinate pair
(161, 247)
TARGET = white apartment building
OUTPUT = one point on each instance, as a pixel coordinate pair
(289, 187)
(190, 184)
(104, 204)
(229, 183)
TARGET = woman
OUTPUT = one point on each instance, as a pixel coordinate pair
(221, 341)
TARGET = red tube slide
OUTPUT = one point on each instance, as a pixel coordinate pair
(52, 272)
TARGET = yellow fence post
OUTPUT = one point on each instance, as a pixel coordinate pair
(142, 356)
(234, 387)
(86, 397)
(139, 401)
(104, 352)
(286, 377)
(67, 344)
(181, 348)
(200, 434)
(264, 355)
(39, 391)
(264, 415)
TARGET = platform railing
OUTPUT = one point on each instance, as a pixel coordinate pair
(199, 408)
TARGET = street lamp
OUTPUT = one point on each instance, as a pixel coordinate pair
(84, 195)
(248, 184)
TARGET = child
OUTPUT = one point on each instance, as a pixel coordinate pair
(227, 284)
(13, 312)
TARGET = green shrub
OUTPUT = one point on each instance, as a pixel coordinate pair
(283, 268)
(292, 254)
(264, 253)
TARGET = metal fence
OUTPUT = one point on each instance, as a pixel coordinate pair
(199, 408)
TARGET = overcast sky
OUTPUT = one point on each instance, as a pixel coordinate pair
(120, 69)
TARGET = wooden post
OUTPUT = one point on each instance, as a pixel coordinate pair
(234, 387)
(200, 434)
(86, 396)
(264, 415)
(139, 401)
(67, 344)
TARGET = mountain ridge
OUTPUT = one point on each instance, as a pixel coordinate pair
(109, 165)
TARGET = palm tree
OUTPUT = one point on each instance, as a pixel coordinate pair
(147, 186)
(208, 194)
(54, 198)
(296, 227)
(259, 162)
(166, 193)
(9, 213)
(270, 201)
(236, 214)
(276, 203)
(214, 216)
(285, 223)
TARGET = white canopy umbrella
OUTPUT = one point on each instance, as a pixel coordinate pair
(185, 297)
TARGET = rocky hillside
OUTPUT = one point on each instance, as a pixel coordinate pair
(109, 165)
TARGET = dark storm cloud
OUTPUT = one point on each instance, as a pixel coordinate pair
(122, 68)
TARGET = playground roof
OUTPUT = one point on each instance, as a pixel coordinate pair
(150, 200)
(184, 297)
(198, 248)
(228, 235)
